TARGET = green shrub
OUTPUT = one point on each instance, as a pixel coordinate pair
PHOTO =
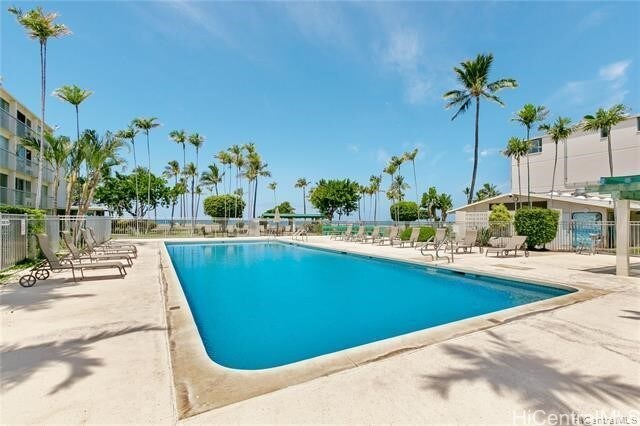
(426, 232)
(539, 225)
(224, 206)
(404, 211)
(484, 234)
(5, 208)
(499, 213)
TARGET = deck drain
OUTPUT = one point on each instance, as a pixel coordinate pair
(173, 308)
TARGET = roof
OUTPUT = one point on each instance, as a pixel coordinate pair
(586, 199)
(294, 215)
(619, 187)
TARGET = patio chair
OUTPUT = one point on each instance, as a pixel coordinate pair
(77, 254)
(510, 244)
(468, 242)
(375, 234)
(52, 264)
(358, 236)
(345, 234)
(436, 240)
(300, 233)
(413, 238)
(88, 240)
(394, 231)
(110, 243)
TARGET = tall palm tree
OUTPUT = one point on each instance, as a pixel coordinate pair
(237, 158)
(560, 130)
(146, 124)
(529, 115)
(40, 25)
(130, 133)
(75, 96)
(391, 169)
(256, 168)
(516, 149)
(473, 76)
(211, 178)
(302, 183)
(225, 160)
(72, 168)
(488, 190)
(399, 186)
(603, 121)
(190, 172)
(272, 186)
(172, 170)
(444, 203)
(180, 137)
(196, 140)
(430, 202)
(411, 156)
(375, 182)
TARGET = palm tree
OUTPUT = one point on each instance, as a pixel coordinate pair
(190, 172)
(196, 140)
(399, 186)
(375, 182)
(302, 183)
(146, 124)
(256, 168)
(272, 186)
(130, 133)
(180, 137)
(529, 115)
(212, 177)
(473, 76)
(391, 169)
(516, 149)
(225, 160)
(75, 96)
(444, 203)
(411, 156)
(100, 154)
(430, 202)
(560, 130)
(72, 167)
(237, 159)
(56, 152)
(171, 170)
(488, 190)
(40, 25)
(603, 121)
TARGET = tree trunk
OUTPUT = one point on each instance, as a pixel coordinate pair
(375, 207)
(415, 183)
(304, 200)
(255, 196)
(610, 153)
(553, 176)
(519, 184)
(135, 176)
(70, 184)
(149, 171)
(43, 79)
(528, 174)
(475, 154)
(56, 182)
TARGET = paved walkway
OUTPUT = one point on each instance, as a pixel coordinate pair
(97, 351)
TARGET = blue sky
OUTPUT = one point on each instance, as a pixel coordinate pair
(328, 90)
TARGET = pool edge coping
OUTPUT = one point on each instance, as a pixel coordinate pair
(200, 384)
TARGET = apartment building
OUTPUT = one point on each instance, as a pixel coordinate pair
(18, 164)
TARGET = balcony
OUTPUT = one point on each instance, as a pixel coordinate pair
(14, 197)
(11, 161)
(11, 123)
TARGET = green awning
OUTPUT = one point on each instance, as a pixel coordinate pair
(619, 187)
(293, 216)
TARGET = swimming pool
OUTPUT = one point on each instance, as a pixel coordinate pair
(261, 304)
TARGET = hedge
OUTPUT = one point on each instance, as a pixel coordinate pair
(539, 225)
(426, 232)
(219, 206)
(404, 211)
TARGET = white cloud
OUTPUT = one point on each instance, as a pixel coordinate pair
(605, 89)
(382, 155)
(353, 148)
(319, 21)
(615, 70)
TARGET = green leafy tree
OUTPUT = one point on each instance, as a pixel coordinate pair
(473, 76)
(284, 207)
(539, 225)
(560, 130)
(404, 211)
(529, 115)
(516, 149)
(119, 193)
(302, 183)
(41, 26)
(335, 196)
(145, 125)
(218, 206)
(604, 120)
(429, 202)
(499, 213)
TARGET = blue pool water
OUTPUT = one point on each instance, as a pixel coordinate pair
(260, 305)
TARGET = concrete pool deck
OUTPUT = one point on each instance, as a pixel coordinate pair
(98, 351)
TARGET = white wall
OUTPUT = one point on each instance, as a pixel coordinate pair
(587, 160)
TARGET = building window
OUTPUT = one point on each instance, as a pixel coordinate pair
(536, 146)
(4, 105)
(4, 180)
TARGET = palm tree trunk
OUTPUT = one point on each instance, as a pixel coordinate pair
(215, 185)
(56, 182)
(610, 153)
(149, 171)
(519, 185)
(43, 79)
(475, 153)
(193, 179)
(553, 176)
(528, 173)
(135, 177)
(375, 206)
(304, 200)
(415, 183)
(255, 196)
(70, 184)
